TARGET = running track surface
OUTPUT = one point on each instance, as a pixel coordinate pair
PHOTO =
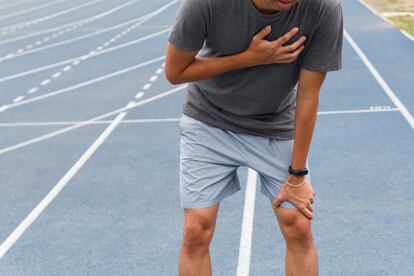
(89, 150)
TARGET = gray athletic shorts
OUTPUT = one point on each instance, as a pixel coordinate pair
(210, 157)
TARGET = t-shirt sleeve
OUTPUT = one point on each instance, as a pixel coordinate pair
(191, 25)
(325, 48)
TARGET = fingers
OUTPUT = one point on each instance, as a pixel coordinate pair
(263, 33)
(285, 38)
(307, 213)
(294, 46)
(277, 202)
(292, 56)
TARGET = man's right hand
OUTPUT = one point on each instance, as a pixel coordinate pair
(261, 51)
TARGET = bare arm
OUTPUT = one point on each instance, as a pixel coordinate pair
(307, 101)
(183, 66)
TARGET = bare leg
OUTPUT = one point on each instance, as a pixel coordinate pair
(198, 231)
(301, 256)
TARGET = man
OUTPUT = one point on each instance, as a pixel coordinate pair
(252, 100)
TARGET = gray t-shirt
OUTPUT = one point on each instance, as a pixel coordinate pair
(258, 100)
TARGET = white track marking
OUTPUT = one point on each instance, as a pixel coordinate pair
(81, 22)
(50, 66)
(142, 19)
(85, 83)
(139, 95)
(358, 111)
(34, 214)
(159, 71)
(39, 42)
(51, 16)
(37, 7)
(381, 81)
(57, 75)
(146, 86)
(45, 82)
(243, 265)
(106, 115)
(68, 123)
(153, 78)
(18, 99)
(135, 121)
(15, 4)
(33, 90)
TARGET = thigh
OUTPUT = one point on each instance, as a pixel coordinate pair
(271, 159)
(208, 164)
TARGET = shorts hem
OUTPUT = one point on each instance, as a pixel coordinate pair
(209, 203)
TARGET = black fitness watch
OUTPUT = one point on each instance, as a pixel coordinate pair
(298, 171)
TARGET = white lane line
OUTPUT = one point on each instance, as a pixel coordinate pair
(37, 7)
(146, 86)
(357, 111)
(15, 4)
(56, 75)
(69, 123)
(85, 83)
(243, 266)
(34, 214)
(159, 71)
(134, 121)
(33, 90)
(106, 115)
(51, 16)
(18, 99)
(139, 95)
(45, 82)
(50, 66)
(142, 19)
(381, 81)
(131, 103)
(79, 22)
(153, 78)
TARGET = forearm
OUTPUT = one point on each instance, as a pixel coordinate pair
(305, 120)
(206, 68)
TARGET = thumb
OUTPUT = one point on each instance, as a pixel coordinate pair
(263, 33)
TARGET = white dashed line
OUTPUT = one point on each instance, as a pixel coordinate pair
(67, 68)
(139, 95)
(146, 86)
(33, 90)
(45, 82)
(57, 75)
(79, 22)
(131, 103)
(153, 78)
(18, 99)
(159, 71)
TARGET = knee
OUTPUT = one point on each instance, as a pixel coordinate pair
(297, 232)
(197, 237)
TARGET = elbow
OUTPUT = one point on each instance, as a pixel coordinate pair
(172, 78)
